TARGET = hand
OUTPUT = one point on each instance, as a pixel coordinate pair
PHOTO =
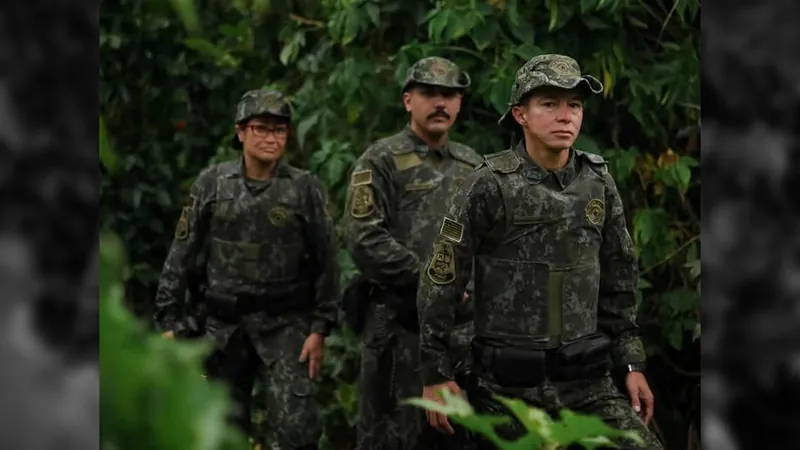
(313, 352)
(437, 420)
(168, 334)
(465, 298)
(641, 397)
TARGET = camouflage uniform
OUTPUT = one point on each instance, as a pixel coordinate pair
(398, 191)
(553, 264)
(269, 240)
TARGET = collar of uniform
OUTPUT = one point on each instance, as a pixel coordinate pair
(281, 169)
(531, 170)
(535, 173)
(420, 146)
(566, 174)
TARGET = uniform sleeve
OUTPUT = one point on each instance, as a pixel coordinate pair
(184, 256)
(472, 214)
(619, 275)
(375, 252)
(325, 254)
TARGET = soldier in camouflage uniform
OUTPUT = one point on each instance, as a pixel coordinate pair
(257, 231)
(554, 268)
(399, 189)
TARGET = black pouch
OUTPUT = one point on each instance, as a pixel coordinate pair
(221, 306)
(511, 367)
(586, 358)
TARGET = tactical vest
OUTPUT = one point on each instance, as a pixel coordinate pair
(422, 191)
(256, 240)
(538, 283)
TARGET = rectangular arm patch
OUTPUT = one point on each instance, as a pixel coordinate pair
(361, 178)
(452, 230)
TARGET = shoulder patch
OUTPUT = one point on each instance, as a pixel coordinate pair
(402, 150)
(182, 229)
(503, 162)
(591, 157)
(442, 268)
(361, 178)
(362, 202)
(452, 230)
(405, 161)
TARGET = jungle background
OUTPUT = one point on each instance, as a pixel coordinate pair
(171, 74)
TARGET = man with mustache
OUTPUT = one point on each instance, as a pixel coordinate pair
(554, 269)
(254, 237)
(399, 189)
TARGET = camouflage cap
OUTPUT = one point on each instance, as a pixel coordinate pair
(547, 70)
(258, 102)
(437, 71)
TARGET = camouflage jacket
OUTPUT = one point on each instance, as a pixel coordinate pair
(553, 260)
(399, 191)
(247, 236)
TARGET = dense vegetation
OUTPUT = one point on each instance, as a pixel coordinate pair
(168, 90)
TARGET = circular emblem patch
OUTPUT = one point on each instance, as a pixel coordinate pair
(439, 70)
(562, 68)
(595, 211)
(277, 216)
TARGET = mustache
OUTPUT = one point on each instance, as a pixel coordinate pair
(439, 113)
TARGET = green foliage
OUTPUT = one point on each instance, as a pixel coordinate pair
(153, 394)
(168, 90)
(543, 433)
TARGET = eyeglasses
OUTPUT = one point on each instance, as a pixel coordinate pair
(263, 131)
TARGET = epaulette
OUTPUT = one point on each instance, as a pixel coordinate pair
(503, 162)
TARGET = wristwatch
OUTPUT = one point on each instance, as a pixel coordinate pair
(635, 367)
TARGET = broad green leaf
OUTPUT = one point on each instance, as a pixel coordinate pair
(374, 13)
(187, 12)
(674, 333)
(304, 126)
(107, 156)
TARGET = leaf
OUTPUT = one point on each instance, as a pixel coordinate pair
(594, 23)
(352, 26)
(587, 430)
(499, 96)
(437, 25)
(304, 126)
(484, 33)
(186, 11)
(291, 50)
(527, 51)
(107, 156)
(694, 267)
(588, 6)
(552, 5)
(523, 31)
(675, 335)
(374, 13)
(681, 301)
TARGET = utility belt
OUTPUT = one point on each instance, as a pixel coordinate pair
(230, 308)
(514, 367)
